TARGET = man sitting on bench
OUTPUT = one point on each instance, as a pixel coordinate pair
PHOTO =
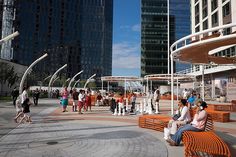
(197, 125)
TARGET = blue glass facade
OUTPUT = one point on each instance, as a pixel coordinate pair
(73, 32)
(180, 9)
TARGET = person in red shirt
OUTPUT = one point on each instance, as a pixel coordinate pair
(88, 101)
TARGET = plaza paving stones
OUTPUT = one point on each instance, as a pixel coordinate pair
(81, 138)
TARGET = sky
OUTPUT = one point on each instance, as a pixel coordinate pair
(126, 38)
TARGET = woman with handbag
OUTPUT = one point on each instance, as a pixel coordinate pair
(181, 117)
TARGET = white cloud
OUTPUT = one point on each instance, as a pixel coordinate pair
(126, 55)
(136, 28)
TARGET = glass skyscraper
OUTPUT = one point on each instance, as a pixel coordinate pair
(180, 9)
(73, 32)
(154, 39)
(154, 36)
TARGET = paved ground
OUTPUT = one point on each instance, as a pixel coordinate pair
(95, 133)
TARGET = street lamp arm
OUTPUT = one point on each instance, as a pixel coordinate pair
(5, 39)
(53, 76)
(76, 83)
(74, 78)
(29, 69)
(89, 80)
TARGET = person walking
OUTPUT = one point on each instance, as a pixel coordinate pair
(14, 94)
(36, 96)
(75, 95)
(81, 101)
(156, 99)
(133, 100)
(88, 101)
(64, 101)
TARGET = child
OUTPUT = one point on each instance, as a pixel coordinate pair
(26, 110)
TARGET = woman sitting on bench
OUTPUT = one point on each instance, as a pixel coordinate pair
(197, 125)
(181, 117)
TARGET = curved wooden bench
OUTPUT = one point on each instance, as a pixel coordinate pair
(155, 122)
(218, 116)
(205, 143)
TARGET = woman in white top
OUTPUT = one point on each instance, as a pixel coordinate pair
(24, 94)
(184, 118)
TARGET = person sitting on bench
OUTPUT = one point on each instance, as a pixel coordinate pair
(196, 125)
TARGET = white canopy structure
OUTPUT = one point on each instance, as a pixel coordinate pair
(195, 49)
(129, 81)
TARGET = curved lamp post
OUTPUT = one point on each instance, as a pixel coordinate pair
(76, 83)
(55, 80)
(29, 69)
(9, 37)
(74, 78)
(53, 76)
(89, 80)
(43, 81)
(65, 82)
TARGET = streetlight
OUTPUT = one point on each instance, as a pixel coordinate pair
(76, 83)
(66, 82)
(74, 77)
(53, 76)
(9, 37)
(43, 81)
(89, 80)
(29, 70)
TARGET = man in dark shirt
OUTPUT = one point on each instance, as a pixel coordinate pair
(14, 94)
(36, 96)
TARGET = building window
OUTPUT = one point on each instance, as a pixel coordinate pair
(197, 29)
(226, 9)
(204, 2)
(196, 19)
(214, 19)
(197, 9)
(204, 12)
(214, 4)
(205, 25)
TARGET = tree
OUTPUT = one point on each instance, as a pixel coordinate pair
(7, 74)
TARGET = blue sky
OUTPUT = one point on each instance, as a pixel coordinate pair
(126, 38)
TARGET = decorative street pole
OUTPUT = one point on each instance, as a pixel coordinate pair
(43, 81)
(28, 70)
(9, 37)
(76, 83)
(53, 76)
(74, 78)
(89, 80)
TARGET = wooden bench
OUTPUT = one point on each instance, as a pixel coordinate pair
(155, 122)
(205, 143)
(218, 116)
(220, 107)
(233, 102)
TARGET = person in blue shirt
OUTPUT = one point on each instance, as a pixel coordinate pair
(191, 100)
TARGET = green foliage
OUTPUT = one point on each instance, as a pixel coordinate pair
(7, 74)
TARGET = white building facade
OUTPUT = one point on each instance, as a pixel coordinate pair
(219, 80)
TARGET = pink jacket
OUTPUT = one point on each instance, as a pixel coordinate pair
(199, 119)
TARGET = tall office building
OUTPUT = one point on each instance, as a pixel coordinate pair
(154, 39)
(73, 32)
(180, 9)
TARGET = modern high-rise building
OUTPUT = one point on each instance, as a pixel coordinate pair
(154, 32)
(154, 36)
(73, 32)
(180, 9)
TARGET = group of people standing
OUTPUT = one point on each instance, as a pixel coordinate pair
(80, 100)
